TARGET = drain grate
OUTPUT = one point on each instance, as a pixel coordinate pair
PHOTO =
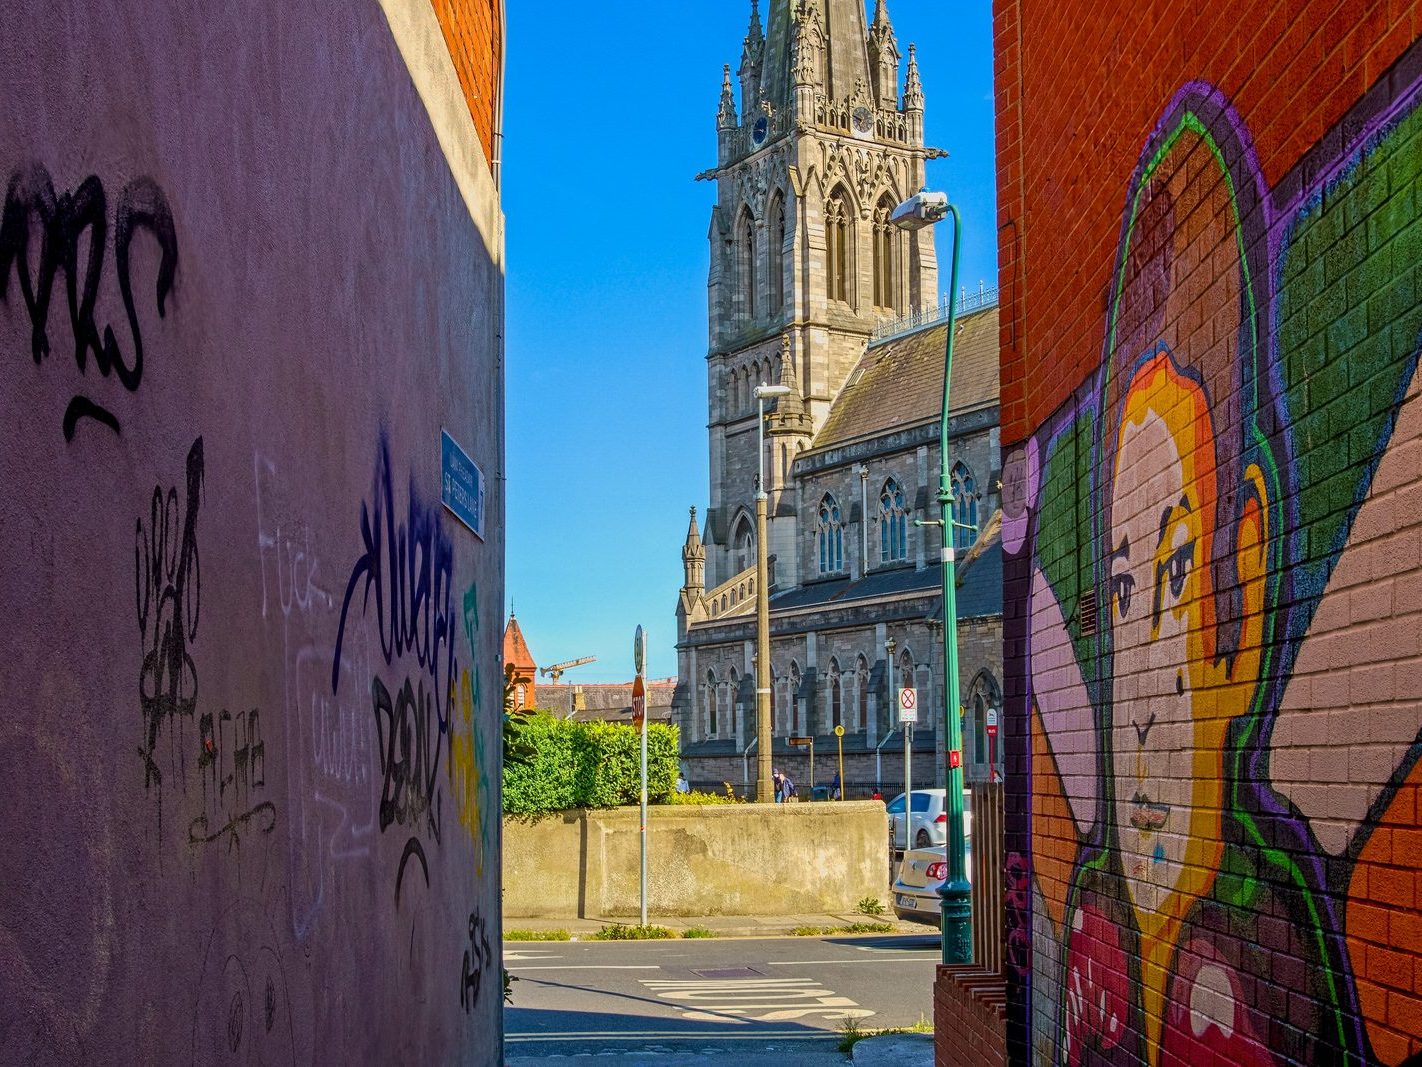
(731, 972)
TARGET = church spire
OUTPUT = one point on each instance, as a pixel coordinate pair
(839, 30)
(884, 58)
(790, 416)
(726, 113)
(693, 557)
(751, 52)
(913, 87)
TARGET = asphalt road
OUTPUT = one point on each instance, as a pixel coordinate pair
(784, 999)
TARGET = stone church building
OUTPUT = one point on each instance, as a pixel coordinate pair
(812, 287)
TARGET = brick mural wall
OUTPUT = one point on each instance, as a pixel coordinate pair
(1213, 520)
(474, 33)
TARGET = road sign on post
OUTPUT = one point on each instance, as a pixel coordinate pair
(639, 702)
(908, 706)
(807, 742)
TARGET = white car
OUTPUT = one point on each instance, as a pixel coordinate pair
(921, 876)
(928, 820)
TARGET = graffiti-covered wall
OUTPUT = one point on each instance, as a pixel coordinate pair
(1212, 234)
(251, 271)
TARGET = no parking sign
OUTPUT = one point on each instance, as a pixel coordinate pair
(908, 707)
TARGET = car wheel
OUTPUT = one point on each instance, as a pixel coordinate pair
(921, 841)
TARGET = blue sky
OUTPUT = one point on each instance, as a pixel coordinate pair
(606, 124)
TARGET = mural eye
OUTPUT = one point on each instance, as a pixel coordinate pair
(1122, 585)
(1178, 565)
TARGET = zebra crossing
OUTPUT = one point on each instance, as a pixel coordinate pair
(755, 1000)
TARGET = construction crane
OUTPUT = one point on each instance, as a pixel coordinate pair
(556, 671)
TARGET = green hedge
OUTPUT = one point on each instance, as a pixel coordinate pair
(570, 764)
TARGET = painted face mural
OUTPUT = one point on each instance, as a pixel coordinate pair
(1201, 533)
(1162, 493)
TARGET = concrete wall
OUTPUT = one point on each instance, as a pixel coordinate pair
(251, 263)
(1214, 524)
(746, 859)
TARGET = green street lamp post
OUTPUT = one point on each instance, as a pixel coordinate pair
(920, 210)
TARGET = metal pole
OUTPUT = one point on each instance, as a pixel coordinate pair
(957, 908)
(644, 820)
(839, 737)
(641, 678)
(812, 768)
(908, 786)
(764, 790)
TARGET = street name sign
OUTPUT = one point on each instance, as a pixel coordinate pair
(461, 485)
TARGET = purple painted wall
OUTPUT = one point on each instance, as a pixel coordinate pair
(220, 838)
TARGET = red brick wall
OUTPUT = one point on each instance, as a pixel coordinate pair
(474, 33)
(1211, 231)
(968, 1018)
(1080, 84)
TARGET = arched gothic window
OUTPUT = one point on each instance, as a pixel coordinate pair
(735, 687)
(893, 523)
(742, 546)
(906, 669)
(965, 506)
(745, 265)
(794, 697)
(711, 698)
(984, 696)
(837, 233)
(830, 533)
(777, 255)
(836, 699)
(886, 238)
(861, 672)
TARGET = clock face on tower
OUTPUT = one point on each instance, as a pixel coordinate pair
(760, 131)
(862, 120)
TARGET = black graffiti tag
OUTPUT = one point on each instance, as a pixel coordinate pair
(409, 569)
(62, 223)
(168, 594)
(409, 741)
(477, 958)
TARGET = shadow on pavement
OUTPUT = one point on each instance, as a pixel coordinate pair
(889, 942)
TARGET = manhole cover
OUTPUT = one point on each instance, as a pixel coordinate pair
(731, 972)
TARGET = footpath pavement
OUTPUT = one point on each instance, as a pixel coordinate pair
(721, 925)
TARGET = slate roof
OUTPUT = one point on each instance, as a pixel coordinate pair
(609, 702)
(899, 382)
(979, 588)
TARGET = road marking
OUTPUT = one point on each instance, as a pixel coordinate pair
(806, 963)
(671, 1035)
(755, 999)
(531, 956)
(588, 967)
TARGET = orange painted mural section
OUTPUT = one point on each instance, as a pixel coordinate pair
(475, 37)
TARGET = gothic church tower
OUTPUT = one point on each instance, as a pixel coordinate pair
(811, 160)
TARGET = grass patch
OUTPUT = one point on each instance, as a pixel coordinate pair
(850, 1032)
(623, 932)
(536, 935)
(870, 906)
(852, 928)
(697, 931)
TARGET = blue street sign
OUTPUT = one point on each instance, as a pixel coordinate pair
(461, 485)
